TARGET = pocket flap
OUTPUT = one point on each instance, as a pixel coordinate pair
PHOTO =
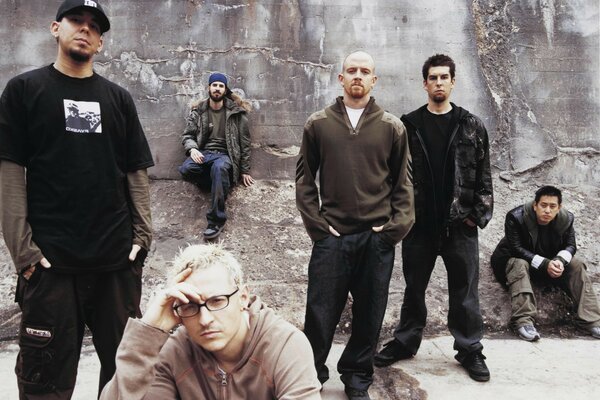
(35, 336)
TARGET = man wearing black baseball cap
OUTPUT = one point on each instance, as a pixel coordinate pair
(70, 6)
(75, 206)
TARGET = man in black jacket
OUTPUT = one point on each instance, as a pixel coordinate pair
(453, 195)
(539, 243)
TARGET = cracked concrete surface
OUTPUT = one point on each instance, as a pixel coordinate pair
(540, 61)
(551, 369)
(284, 56)
(528, 68)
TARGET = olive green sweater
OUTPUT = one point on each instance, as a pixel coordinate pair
(364, 174)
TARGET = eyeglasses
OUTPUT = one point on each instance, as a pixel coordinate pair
(214, 303)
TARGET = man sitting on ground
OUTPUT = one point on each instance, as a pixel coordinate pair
(230, 345)
(539, 243)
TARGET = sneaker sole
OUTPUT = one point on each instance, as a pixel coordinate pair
(214, 235)
(533, 339)
(480, 378)
(587, 332)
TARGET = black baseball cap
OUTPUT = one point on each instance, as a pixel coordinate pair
(91, 5)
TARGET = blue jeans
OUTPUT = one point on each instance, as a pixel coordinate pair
(361, 264)
(460, 251)
(216, 171)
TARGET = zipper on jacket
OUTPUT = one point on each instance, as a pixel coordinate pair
(354, 131)
(222, 375)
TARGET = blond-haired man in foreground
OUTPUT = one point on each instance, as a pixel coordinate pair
(230, 346)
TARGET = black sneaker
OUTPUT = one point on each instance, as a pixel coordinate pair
(212, 231)
(392, 351)
(356, 394)
(475, 365)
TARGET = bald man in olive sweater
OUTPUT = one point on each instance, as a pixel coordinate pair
(362, 208)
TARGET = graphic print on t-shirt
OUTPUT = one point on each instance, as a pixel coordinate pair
(82, 116)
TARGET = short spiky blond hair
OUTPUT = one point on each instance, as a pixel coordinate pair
(203, 256)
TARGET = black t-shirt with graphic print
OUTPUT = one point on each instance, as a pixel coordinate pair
(77, 139)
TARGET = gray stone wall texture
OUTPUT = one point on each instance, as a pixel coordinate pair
(528, 68)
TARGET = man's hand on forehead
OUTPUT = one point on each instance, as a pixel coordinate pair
(160, 313)
(181, 293)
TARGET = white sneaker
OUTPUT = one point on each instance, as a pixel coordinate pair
(529, 333)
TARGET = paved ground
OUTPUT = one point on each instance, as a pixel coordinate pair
(552, 369)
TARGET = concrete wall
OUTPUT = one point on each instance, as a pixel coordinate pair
(283, 55)
(541, 60)
(528, 68)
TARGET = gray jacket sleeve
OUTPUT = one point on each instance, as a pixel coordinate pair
(139, 192)
(15, 228)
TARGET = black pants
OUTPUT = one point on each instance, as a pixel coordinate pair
(55, 309)
(459, 249)
(362, 265)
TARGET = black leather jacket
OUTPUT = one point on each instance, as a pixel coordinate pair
(468, 189)
(520, 237)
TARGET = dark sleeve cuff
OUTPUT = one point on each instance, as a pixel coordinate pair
(562, 260)
(544, 265)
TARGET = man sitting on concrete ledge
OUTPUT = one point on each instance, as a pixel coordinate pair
(216, 140)
(230, 346)
(539, 243)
